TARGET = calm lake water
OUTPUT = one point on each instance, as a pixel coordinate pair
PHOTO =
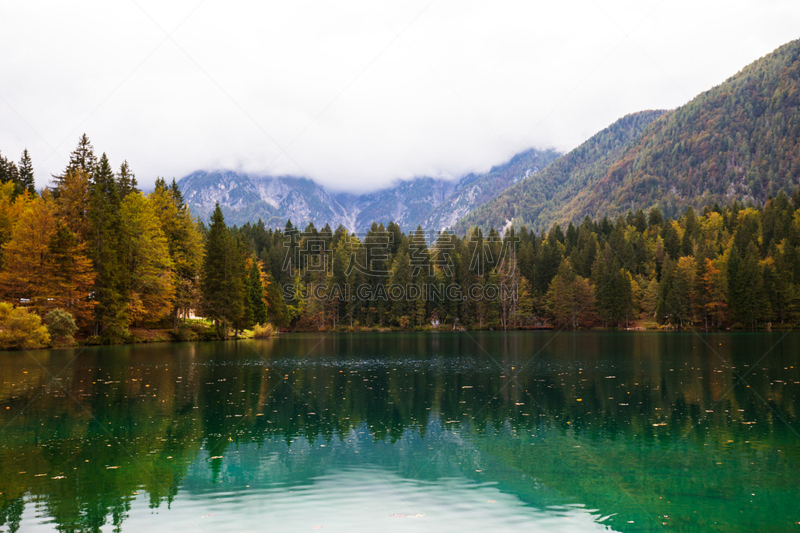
(529, 431)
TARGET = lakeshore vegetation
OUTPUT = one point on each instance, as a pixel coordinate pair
(114, 262)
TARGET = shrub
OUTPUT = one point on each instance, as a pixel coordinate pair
(185, 332)
(21, 330)
(262, 332)
(61, 326)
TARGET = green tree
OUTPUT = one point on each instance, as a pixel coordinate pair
(745, 286)
(61, 326)
(82, 158)
(105, 247)
(126, 180)
(222, 281)
(26, 180)
(256, 306)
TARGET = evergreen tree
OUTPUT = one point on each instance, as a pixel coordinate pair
(26, 180)
(105, 234)
(126, 180)
(256, 307)
(745, 284)
(82, 158)
(222, 282)
(672, 241)
(9, 173)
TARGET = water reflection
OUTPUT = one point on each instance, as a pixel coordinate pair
(554, 430)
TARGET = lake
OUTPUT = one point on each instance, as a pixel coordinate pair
(441, 432)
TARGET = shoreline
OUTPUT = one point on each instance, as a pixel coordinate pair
(156, 338)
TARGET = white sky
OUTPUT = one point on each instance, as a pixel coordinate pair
(356, 93)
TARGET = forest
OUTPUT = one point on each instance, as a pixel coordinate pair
(94, 258)
(738, 140)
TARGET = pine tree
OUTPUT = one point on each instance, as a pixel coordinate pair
(26, 180)
(222, 282)
(105, 234)
(82, 158)
(256, 312)
(9, 173)
(672, 241)
(745, 284)
(277, 314)
(613, 293)
(126, 180)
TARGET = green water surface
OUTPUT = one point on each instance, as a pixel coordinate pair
(525, 431)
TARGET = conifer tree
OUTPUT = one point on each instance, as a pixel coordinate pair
(256, 312)
(126, 180)
(9, 173)
(26, 180)
(82, 158)
(105, 232)
(222, 281)
(73, 202)
(277, 314)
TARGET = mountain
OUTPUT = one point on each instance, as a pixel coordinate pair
(475, 190)
(739, 140)
(538, 198)
(429, 202)
(246, 198)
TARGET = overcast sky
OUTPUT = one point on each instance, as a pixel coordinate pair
(356, 93)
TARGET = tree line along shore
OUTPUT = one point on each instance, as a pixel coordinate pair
(92, 257)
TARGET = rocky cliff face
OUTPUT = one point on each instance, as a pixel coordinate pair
(432, 203)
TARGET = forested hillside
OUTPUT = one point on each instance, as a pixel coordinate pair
(536, 200)
(738, 141)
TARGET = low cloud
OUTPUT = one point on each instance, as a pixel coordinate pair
(354, 94)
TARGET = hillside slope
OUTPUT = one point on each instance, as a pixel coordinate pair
(536, 201)
(739, 140)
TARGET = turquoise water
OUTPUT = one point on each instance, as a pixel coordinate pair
(528, 431)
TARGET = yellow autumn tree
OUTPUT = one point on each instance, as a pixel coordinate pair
(71, 275)
(185, 246)
(45, 265)
(21, 330)
(73, 201)
(148, 267)
(24, 279)
(10, 209)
